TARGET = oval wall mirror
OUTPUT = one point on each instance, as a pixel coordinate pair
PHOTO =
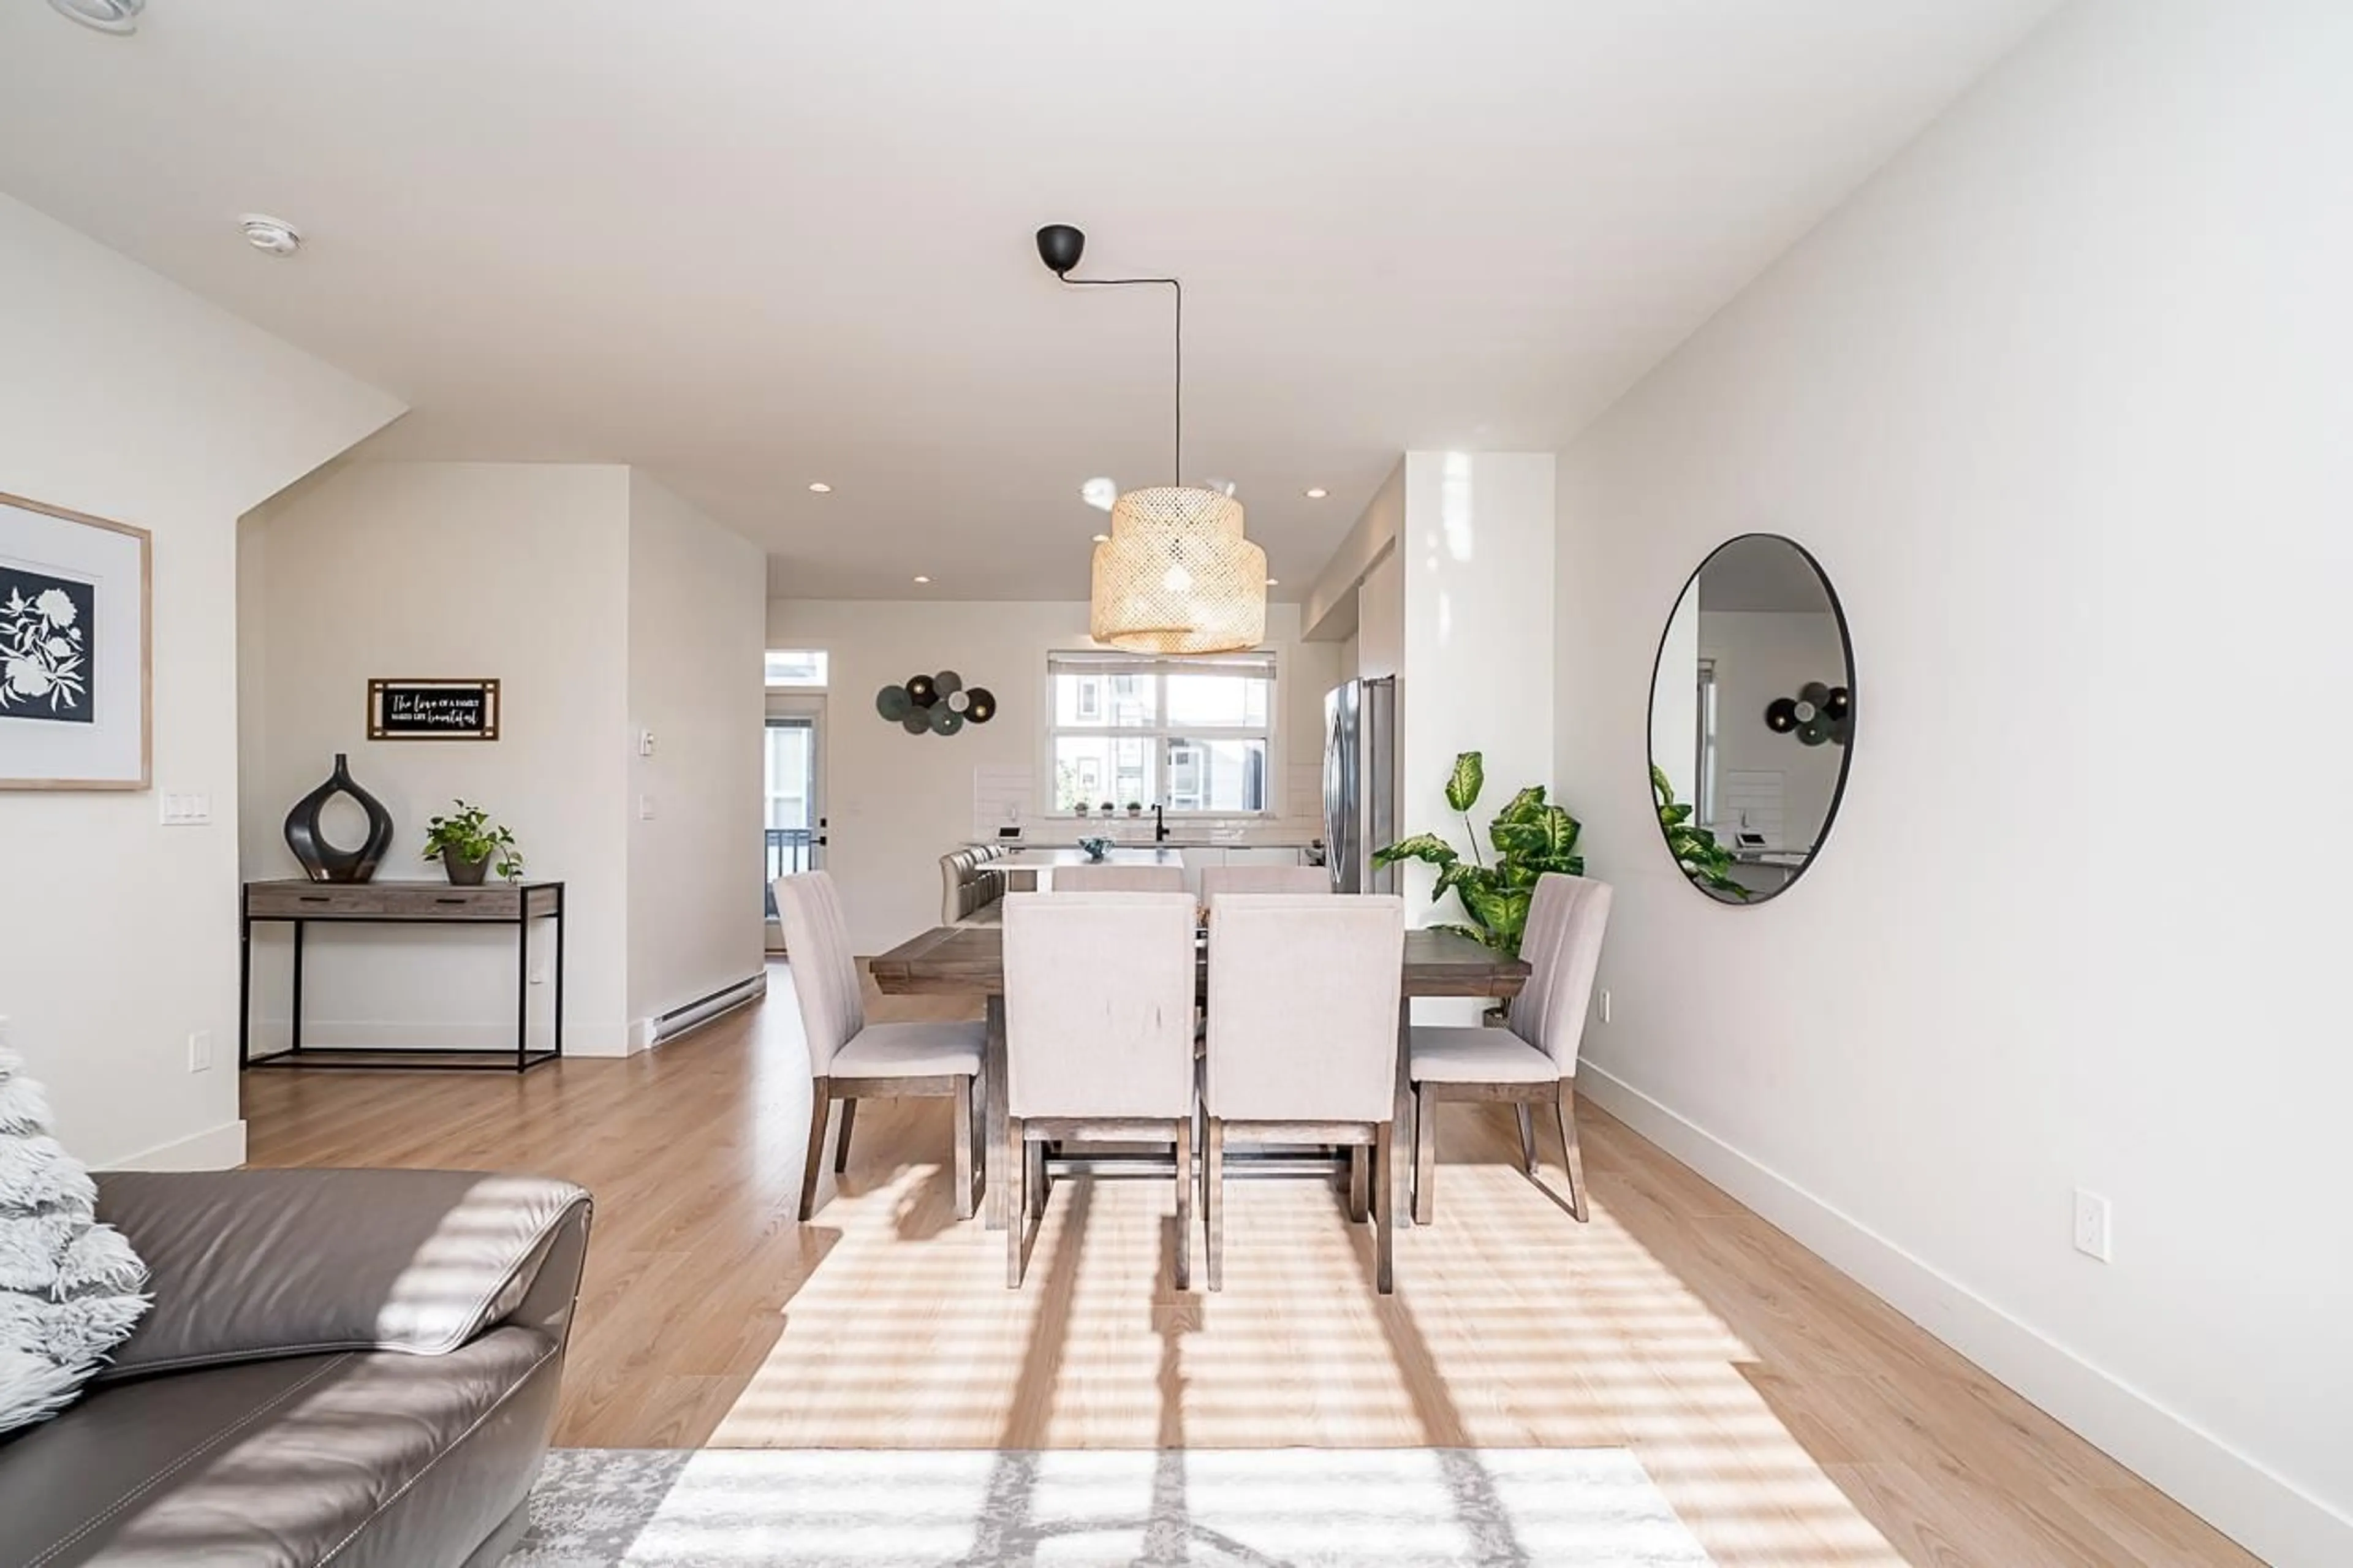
(1752, 719)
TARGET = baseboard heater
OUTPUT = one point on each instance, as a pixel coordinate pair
(670, 1025)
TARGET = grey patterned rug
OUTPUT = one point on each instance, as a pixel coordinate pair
(1283, 1508)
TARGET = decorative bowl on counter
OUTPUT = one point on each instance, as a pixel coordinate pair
(1097, 848)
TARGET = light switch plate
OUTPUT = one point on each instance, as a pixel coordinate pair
(185, 810)
(644, 808)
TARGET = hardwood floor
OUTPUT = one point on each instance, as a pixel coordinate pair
(1790, 1418)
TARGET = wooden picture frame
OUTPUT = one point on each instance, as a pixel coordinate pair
(423, 709)
(77, 633)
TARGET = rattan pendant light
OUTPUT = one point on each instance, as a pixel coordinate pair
(1176, 575)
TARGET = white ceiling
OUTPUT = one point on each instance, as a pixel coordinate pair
(749, 245)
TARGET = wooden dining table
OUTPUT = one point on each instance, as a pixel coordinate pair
(964, 959)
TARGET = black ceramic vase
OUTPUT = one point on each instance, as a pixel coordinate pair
(322, 860)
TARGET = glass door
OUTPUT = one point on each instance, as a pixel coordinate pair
(793, 806)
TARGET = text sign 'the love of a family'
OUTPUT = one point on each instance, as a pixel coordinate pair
(432, 711)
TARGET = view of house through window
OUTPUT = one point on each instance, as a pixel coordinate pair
(1186, 734)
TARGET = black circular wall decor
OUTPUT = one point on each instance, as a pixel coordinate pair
(938, 704)
(321, 861)
(1817, 714)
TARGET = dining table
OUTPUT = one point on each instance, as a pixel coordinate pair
(966, 958)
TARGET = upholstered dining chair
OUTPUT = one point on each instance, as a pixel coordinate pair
(852, 1060)
(1535, 1058)
(1098, 1039)
(1217, 879)
(1113, 879)
(1302, 1039)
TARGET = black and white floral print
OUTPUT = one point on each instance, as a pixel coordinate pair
(44, 640)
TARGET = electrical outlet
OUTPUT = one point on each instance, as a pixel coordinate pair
(644, 808)
(539, 975)
(200, 1051)
(1605, 1004)
(2092, 1235)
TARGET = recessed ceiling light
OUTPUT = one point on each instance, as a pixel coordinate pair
(271, 236)
(1317, 492)
(922, 579)
(1103, 538)
(1275, 582)
(819, 486)
(1100, 493)
(106, 15)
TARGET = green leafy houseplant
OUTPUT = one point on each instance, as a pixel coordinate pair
(1530, 836)
(465, 841)
(1702, 860)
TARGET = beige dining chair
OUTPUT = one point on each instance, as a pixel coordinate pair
(1302, 1039)
(1217, 879)
(1114, 878)
(852, 1060)
(1098, 1040)
(1535, 1058)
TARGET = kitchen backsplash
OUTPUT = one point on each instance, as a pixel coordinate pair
(1006, 797)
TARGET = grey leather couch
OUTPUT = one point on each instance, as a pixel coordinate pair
(355, 1368)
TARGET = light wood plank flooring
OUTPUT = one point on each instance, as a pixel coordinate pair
(1790, 1418)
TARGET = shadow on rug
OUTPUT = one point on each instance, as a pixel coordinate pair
(1287, 1508)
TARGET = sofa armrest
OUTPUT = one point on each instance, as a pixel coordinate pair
(248, 1264)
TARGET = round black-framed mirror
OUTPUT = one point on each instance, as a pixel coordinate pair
(1751, 729)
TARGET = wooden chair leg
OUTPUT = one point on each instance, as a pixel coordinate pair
(1527, 1135)
(1184, 1203)
(1425, 1155)
(963, 1148)
(841, 1150)
(821, 1100)
(1017, 1217)
(1360, 1183)
(1572, 1158)
(1385, 1232)
(1213, 1201)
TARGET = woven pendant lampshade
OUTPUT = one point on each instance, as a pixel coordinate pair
(1177, 576)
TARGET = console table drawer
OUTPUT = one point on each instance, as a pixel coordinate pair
(392, 901)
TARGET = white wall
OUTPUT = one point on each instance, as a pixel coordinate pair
(698, 616)
(128, 397)
(898, 802)
(1761, 656)
(1674, 700)
(2058, 400)
(515, 571)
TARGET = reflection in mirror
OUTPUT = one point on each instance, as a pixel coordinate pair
(1752, 719)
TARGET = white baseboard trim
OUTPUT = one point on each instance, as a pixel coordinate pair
(2263, 1512)
(220, 1148)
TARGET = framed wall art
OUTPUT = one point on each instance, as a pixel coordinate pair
(77, 663)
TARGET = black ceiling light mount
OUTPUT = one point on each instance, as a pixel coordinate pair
(1059, 246)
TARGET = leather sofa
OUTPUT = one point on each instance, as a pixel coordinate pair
(356, 1368)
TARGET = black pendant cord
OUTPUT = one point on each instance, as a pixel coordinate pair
(1173, 283)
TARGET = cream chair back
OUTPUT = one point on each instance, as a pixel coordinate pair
(1098, 1005)
(1562, 944)
(823, 972)
(1118, 879)
(1303, 1006)
(1218, 879)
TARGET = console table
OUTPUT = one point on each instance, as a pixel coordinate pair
(298, 903)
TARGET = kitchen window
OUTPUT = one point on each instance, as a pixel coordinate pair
(1185, 734)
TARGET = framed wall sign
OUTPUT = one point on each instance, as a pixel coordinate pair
(75, 657)
(432, 711)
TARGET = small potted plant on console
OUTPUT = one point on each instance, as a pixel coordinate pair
(466, 842)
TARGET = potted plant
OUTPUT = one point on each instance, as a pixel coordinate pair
(466, 841)
(1080, 808)
(1135, 808)
(1530, 837)
(1109, 810)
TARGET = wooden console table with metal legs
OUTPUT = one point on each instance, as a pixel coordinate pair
(300, 903)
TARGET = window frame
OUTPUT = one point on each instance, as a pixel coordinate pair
(1160, 732)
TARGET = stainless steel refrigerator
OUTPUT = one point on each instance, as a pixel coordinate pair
(1360, 783)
